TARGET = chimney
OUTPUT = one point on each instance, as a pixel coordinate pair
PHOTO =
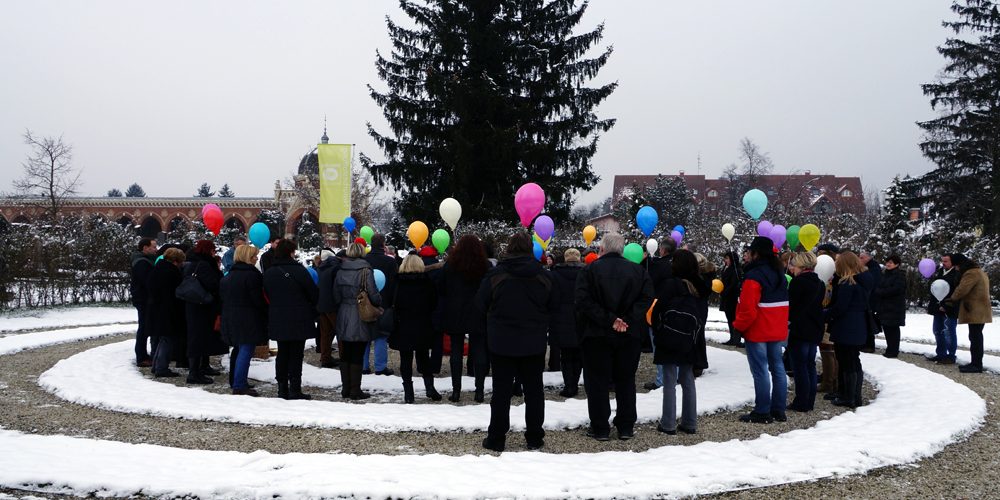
(682, 173)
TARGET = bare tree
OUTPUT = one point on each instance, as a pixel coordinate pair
(49, 178)
(755, 161)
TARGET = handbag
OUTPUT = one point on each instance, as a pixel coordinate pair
(191, 290)
(366, 311)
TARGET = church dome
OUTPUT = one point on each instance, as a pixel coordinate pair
(309, 165)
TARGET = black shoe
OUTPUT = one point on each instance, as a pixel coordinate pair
(455, 396)
(387, 371)
(661, 429)
(408, 392)
(756, 418)
(779, 416)
(946, 361)
(366, 371)
(567, 393)
(934, 358)
(489, 445)
(830, 396)
(651, 386)
(687, 430)
(798, 408)
(536, 445)
(890, 355)
(846, 403)
(432, 393)
(330, 364)
(146, 363)
(245, 392)
(599, 437)
(970, 368)
(211, 371)
(360, 395)
(626, 435)
(167, 374)
(479, 397)
(201, 380)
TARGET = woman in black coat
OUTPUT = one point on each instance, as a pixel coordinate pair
(891, 292)
(244, 316)
(706, 274)
(413, 328)
(805, 327)
(458, 282)
(562, 323)
(848, 325)
(292, 295)
(202, 338)
(731, 277)
(164, 311)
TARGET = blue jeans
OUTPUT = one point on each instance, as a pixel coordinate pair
(803, 356)
(381, 353)
(945, 335)
(245, 352)
(770, 394)
(659, 368)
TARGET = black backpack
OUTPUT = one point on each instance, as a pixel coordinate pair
(676, 327)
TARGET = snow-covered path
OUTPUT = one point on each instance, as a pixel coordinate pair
(66, 317)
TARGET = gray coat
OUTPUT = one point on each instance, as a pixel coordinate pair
(346, 286)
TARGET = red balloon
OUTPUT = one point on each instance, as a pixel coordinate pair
(213, 220)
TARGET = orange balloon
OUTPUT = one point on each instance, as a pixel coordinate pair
(717, 286)
(649, 313)
(417, 233)
(589, 233)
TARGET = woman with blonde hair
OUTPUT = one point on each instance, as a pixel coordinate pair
(244, 315)
(805, 327)
(413, 328)
(847, 318)
(354, 334)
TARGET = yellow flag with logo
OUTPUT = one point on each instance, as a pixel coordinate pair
(334, 182)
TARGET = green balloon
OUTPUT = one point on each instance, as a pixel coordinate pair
(367, 232)
(633, 252)
(792, 237)
(441, 239)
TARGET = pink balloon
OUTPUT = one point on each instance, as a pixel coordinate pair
(529, 201)
(209, 206)
(764, 228)
(677, 236)
(544, 227)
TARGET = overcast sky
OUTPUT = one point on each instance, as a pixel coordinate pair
(179, 93)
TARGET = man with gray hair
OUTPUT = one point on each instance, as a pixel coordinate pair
(612, 296)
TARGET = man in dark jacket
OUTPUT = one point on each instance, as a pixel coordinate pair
(874, 272)
(660, 273)
(563, 330)
(945, 315)
(517, 299)
(891, 293)
(327, 308)
(142, 265)
(379, 260)
(612, 297)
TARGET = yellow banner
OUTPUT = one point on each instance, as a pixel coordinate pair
(334, 182)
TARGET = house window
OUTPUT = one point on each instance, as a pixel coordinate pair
(713, 193)
(695, 192)
(846, 193)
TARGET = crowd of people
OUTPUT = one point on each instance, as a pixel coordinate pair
(591, 314)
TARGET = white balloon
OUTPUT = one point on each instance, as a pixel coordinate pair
(728, 231)
(651, 246)
(450, 211)
(940, 289)
(825, 267)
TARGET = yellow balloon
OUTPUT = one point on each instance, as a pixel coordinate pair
(589, 233)
(417, 234)
(717, 286)
(809, 236)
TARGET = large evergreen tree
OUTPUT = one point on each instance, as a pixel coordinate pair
(484, 95)
(204, 191)
(225, 192)
(964, 140)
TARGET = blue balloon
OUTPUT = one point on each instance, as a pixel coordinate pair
(680, 229)
(350, 224)
(259, 234)
(313, 273)
(755, 202)
(538, 250)
(646, 219)
(379, 279)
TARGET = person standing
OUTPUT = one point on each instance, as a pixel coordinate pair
(806, 293)
(849, 326)
(413, 329)
(354, 334)
(891, 292)
(268, 257)
(244, 315)
(706, 275)
(731, 279)
(164, 311)
(563, 327)
(517, 300)
(458, 282)
(142, 266)
(382, 262)
(762, 318)
(292, 296)
(203, 340)
(974, 309)
(874, 277)
(612, 296)
(945, 315)
(328, 267)
(228, 258)
(660, 273)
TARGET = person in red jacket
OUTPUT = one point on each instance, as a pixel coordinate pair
(762, 319)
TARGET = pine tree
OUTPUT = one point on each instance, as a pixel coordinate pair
(204, 191)
(114, 193)
(396, 237)
(964, 141)
(893, 224)
(225, 192)
(484, 95)
(135, 191)
(308, 236)
(274, 220)
(672, 200)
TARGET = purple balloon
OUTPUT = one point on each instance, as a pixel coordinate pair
(677, 236)
(778, 235)
(544, 227)
(764, 228)
(927, 268)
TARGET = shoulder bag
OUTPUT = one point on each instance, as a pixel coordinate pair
(368, 312)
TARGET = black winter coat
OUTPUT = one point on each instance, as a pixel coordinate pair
(379, 260)
(933, 306)
(805, 308)
(660, 272)
(292, 295)
(518, 299)
(244, 310)
(415, 301)
(142, 265)
(874, 277)
(891, 292)
(562, 324)
(327, 276)
(730, 295)
(671, 288)
(846, 314)
(202, 338)
(458, 302)
(164, 311)
(612, 287)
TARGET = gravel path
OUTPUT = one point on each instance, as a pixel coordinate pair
(963, 470)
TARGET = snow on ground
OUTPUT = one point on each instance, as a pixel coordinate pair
(65, 317)
(15, 343)
(119, 386)
(891, 430)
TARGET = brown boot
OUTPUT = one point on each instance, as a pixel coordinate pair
(828, 379)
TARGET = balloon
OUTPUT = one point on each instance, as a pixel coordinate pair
(589, 233)
(590, 258)
(940, 289)
(544, 227)
(778, 235)
(350, 224)
(755, 202)
(927, 268)
(209, 206)
(764, 228)
(417, 233)
(651, 246)
(529, 201)
(259, 234)
(792, 234)
(728, 231)
(450, 211)
(809, 236)
(633, 252)
(379, 279)
(367, 232)
(825, 267)
(538, 250)
(679, 228)
(649, 313)
(543, 243)
(313, 274)
(213, 220)
(717, 286)
(441, 239)
(677, 237)
(646, 218)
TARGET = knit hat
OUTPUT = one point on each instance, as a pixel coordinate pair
(762, 245)
(828, 247)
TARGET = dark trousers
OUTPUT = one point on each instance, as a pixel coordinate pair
(803, 357)
(891, 339)
(161, 354)
(406, 363)
(437, 354)
(555, 357)
(353, 352)
(327, 324)
(572, 364)
(141, 338)
(478, 359)
(288, 365)
(606, 360)
(527, 369)
(976, 344)
(848, 359)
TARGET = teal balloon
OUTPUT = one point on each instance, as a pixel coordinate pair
(755, 202)
(633, 252)
(379, 279)
(538, 251)
(259, 234)
(646, 219)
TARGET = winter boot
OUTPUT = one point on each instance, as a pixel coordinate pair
(480, 385)
(456, 388)
(345, 380)
(356, 392)
(828, 379)
(295, 388)
(408, 392)
(283, 389)
(847, 396)
(858, 384)
(432, 393)
(195, 375)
